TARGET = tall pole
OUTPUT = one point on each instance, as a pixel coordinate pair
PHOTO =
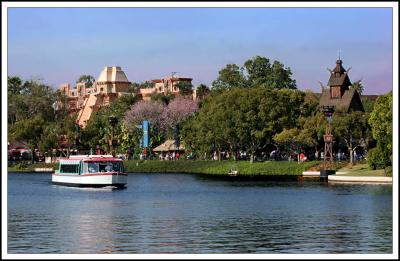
(328, 140)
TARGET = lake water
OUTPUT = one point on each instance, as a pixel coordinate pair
(182, 213)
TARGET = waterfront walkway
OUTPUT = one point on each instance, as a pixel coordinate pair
(357, 174)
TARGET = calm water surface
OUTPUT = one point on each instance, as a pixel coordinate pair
(181, 213)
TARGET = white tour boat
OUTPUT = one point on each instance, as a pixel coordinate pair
(90, 171)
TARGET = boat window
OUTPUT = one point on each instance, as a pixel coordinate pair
(105, 166)
(117, 166)
(70, 168)
(85, 168)
(93, 167)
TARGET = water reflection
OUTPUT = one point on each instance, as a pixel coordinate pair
(161, 213)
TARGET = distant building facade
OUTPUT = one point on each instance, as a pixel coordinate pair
(165, 86)
(84, 100)
(339, 93)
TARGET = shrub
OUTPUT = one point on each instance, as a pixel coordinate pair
(377, 160)
(388, 171)
(218, 167)
(21, 165)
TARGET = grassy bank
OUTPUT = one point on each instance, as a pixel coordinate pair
(273, 168)
(218, 167)
(362, 170)
(25, 167)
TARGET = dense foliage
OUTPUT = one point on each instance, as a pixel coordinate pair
(242, 119)
(381, 123)
(99, 131)
(164, 118)
(31, 113)
(257, 72)
(352, 128)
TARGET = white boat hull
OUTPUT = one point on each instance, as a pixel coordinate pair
(91, 180)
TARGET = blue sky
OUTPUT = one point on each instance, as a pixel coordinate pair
(60, 44)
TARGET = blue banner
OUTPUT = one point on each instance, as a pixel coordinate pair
(146, 128)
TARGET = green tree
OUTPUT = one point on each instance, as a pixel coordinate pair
(30, 130)
(87, 79)
(95, 131)
(294, 139)
(261, 73)
(202, 90)
(310, 104)
(134, 87)
(14, 85)
(98, 130)
(368, 104)
(381, 122)
(185, 88)
(58, 134)
(352, 128)
(257, 72)
(229, 77)
(357, 85)
(26, 99)
(31, 112)
(308, 131)
(165, 99)
(242, 119)
(147, 84)
(127, 139)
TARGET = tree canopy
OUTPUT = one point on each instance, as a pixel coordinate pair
(242, 119)
(87, 79)
(352, 128)
(257, 72)
(185, 88)
(382, 124)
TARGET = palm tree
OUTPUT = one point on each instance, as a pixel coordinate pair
(358, 86)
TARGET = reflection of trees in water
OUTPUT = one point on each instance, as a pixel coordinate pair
(167, 213)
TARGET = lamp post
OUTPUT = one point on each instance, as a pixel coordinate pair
(328, 140)
(113, 122)
(77, 135)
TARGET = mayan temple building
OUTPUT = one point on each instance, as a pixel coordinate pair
(339, 93)
(111, 84)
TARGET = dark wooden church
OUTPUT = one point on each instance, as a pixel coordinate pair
(339, 93)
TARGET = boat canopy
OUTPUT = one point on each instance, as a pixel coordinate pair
(70, 162)
(77, 158)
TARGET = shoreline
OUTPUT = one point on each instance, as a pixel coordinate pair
(262, 171)
(205, 167)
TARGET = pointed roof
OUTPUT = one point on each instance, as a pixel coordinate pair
(339, 76)
(349, 101)
(112, 74)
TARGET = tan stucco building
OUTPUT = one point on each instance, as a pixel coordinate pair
(111, 84)
(166, 85)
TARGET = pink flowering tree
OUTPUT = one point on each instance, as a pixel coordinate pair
(146, 110)
(163, 119)
(142, 110)
(177, 111)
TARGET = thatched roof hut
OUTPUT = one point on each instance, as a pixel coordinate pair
(169, 145)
